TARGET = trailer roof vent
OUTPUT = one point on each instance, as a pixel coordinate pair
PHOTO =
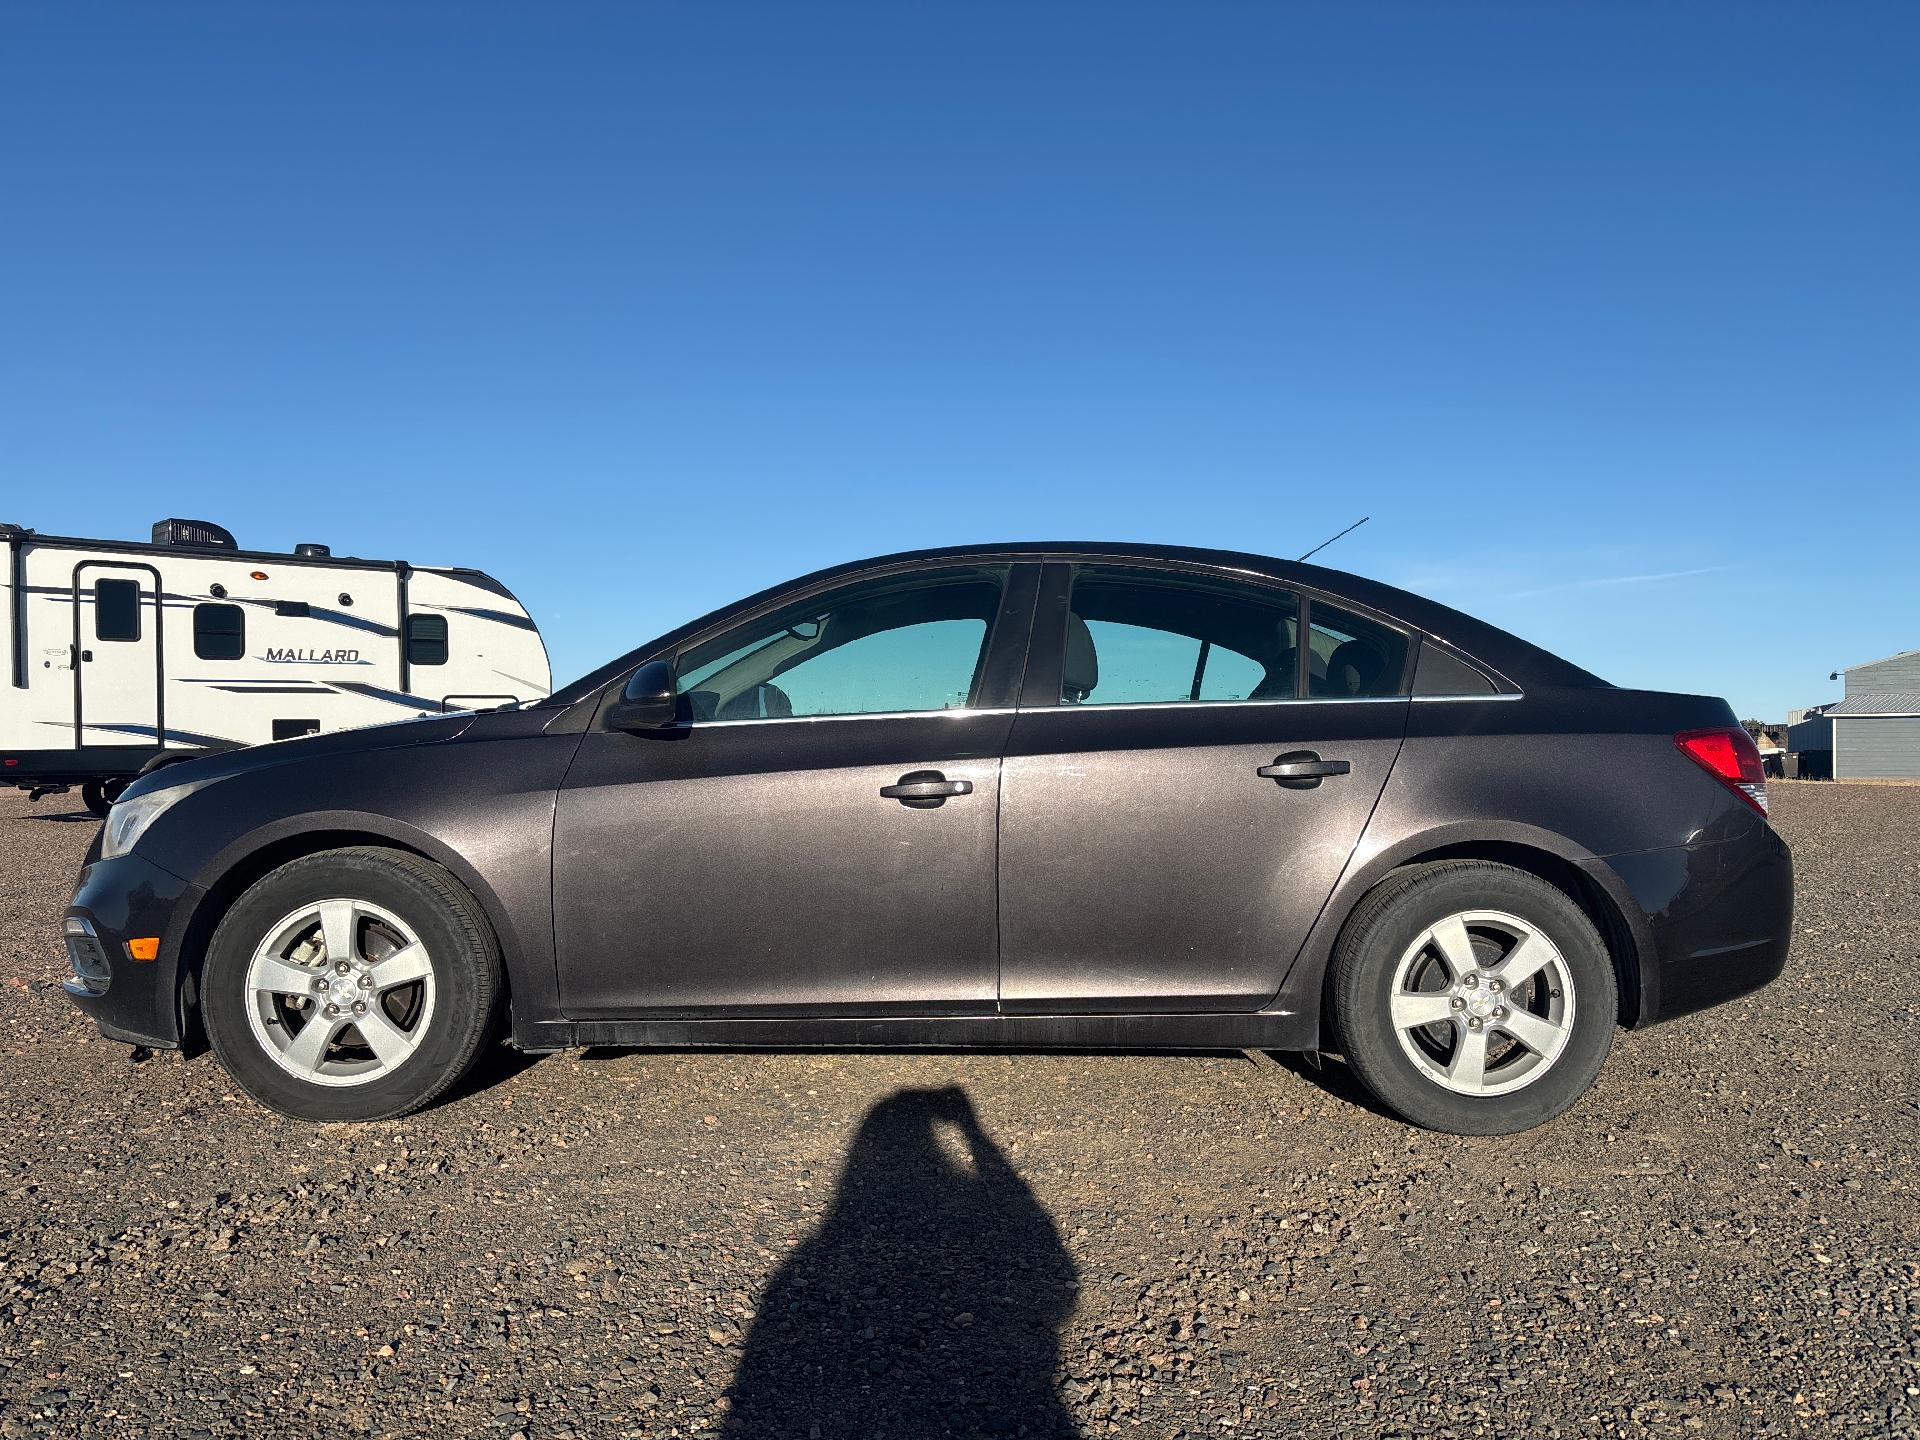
(307, 547)
(202, 533)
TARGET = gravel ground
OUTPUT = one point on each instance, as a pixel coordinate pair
(1719, 1241)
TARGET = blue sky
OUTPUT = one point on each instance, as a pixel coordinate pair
(1609, 315)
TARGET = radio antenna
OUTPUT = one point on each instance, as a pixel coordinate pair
(1331, 538)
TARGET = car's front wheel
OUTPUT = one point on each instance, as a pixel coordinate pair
(354, 984)
(1473, 997)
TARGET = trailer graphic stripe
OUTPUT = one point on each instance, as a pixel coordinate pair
(256, 689)
(393, 697)
(176, 601)
(189, 737)
(314, 612)
(519, 622)
(239, 682)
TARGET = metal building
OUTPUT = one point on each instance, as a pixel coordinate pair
(1874, 733)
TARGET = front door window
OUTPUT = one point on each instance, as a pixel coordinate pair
(890, 646)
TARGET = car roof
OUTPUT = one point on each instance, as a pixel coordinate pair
(1526, 664)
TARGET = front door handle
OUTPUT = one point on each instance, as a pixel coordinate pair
(925, 789)
(1301, 770)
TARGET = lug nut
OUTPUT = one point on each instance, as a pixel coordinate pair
(1473, 1024)
(321, 984)
(1457, 1003)
(359, 1007)
(341, 967)
(366, 982)
(333, 1009)
(1499, 1012)
(1472, 982)
(1495, 986)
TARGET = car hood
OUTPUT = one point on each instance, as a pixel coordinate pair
(420, 730)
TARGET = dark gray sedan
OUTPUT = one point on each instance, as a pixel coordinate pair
(1013, 795)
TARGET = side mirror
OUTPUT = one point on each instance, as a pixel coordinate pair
(650, 701)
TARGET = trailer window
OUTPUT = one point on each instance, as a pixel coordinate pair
(219, 632)
(116, 609)
(426, 639)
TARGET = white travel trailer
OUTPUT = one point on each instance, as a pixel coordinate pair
(121, 655)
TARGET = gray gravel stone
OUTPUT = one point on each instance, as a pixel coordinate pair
(1719, 1241)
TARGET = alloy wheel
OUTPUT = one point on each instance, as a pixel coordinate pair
(1482, 1003)
(340, 992)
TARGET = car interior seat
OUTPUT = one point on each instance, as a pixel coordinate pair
(1277, 683)
(1353, 668)
(760, 702)
(1080, 669)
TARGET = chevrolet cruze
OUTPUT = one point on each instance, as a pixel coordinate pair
(1083, 795)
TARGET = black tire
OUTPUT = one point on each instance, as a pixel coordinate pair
(94, 794)
(1392, 919)
(466, 973)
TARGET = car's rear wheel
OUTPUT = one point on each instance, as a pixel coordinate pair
(353, 984)
(1473, 997)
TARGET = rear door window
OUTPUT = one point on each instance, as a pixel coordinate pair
(1352, 657)
(1154, 637)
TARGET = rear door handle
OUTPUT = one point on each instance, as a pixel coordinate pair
(1302, 769)
(925, 789)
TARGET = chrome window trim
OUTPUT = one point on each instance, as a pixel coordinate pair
(953, 710)
(962, 711)
(1226, 704)
(959, 710)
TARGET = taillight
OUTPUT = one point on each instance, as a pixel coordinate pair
(1731, 757)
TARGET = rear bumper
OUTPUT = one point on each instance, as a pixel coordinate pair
(136, 1001)
(1715, 920)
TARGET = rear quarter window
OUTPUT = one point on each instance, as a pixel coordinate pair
(1441, 672)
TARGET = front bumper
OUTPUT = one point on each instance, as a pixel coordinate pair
(136, 1001)
(1718, 919)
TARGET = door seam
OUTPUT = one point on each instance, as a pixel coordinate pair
(1000, 790)
(1345, 867)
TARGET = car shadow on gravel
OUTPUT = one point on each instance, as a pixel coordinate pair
(1325, 1071)
(927, 1303)
(63, 817)
(1332, 1074)
(497, 1064)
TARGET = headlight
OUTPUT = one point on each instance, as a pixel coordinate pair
(129, 819)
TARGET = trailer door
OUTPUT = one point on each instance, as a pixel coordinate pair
(116, 645)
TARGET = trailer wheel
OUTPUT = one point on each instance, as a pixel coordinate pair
(100, 795)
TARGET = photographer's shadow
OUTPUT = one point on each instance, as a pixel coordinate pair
(927, 1304)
